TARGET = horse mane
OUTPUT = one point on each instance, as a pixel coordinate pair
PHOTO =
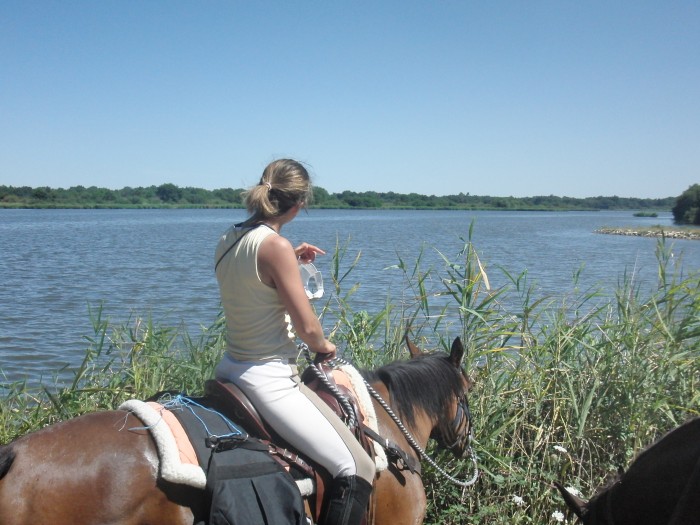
(7, 456)
(425, 383)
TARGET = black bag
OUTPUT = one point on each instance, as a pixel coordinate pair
(248, 487)
(245, 485)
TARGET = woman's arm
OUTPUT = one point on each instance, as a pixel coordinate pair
(278, 267)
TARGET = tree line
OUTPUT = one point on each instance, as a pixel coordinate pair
(172, 196)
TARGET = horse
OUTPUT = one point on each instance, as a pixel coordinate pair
(101, 468)
(661, 486)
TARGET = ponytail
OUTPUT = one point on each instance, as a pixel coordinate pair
(284, 184)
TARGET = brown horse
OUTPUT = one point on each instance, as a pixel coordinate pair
(95, 469)
(661, 487)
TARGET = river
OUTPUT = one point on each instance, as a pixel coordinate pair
(55, 264)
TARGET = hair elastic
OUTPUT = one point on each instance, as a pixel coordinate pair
(269, 186)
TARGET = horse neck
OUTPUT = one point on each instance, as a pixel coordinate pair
(627, 504)
(399, 493)
(420, 430)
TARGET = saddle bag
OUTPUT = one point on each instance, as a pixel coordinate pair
(245, 484)
(248, 487)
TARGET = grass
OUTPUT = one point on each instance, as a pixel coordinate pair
(568, 388)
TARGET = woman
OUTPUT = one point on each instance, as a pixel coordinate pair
(266, 307)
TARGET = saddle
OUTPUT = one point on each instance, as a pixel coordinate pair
(231, 401)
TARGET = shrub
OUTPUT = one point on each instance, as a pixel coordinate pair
(687, 207)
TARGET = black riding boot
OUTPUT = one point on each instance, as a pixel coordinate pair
(347, 501)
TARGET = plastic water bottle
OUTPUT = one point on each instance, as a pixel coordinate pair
(312, 280)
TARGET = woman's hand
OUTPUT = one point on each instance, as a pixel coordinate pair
(329, 352)
(306, 253)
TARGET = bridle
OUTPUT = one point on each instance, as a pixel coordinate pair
(460, 429)
(463, 414)
(458, 434)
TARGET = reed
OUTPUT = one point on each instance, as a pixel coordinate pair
(567, 388)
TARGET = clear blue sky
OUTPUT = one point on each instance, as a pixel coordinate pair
(521, 98)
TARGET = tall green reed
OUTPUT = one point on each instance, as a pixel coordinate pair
(567, 388)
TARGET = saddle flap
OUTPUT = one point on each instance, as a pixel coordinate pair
(351, 403)
(230, 400)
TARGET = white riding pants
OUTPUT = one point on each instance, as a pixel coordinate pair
(298, 415)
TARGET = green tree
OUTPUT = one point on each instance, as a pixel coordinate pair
(169, 193)
(195, 195)
(687, 207)
(228, 195)
(367, 199)
(320, 196)
(44, 193)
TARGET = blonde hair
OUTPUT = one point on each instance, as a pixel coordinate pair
(284, 184)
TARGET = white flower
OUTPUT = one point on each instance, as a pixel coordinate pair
(573, 490)
(518, 501)
(558, 516)
(560, 449)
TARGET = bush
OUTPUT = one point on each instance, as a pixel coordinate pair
(687, 207)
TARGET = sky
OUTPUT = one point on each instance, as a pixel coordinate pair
(500, 98)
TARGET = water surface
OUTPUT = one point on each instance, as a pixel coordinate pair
(159, 263)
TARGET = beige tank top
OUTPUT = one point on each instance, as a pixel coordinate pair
(258, 327)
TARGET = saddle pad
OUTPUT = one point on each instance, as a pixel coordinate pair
(178, 461)
(348, 376)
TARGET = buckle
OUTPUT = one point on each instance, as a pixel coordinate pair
(220, 443)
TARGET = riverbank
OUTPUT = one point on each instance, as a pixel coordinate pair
(691, 234)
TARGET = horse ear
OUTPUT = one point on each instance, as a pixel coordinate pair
(575, 504)
(413, 349)
(457, 352)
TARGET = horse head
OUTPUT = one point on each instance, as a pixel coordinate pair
(453, 426)
(660, 487)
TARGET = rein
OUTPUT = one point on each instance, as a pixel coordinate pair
(422, 453)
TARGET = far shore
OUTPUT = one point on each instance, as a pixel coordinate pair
(691, 234)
